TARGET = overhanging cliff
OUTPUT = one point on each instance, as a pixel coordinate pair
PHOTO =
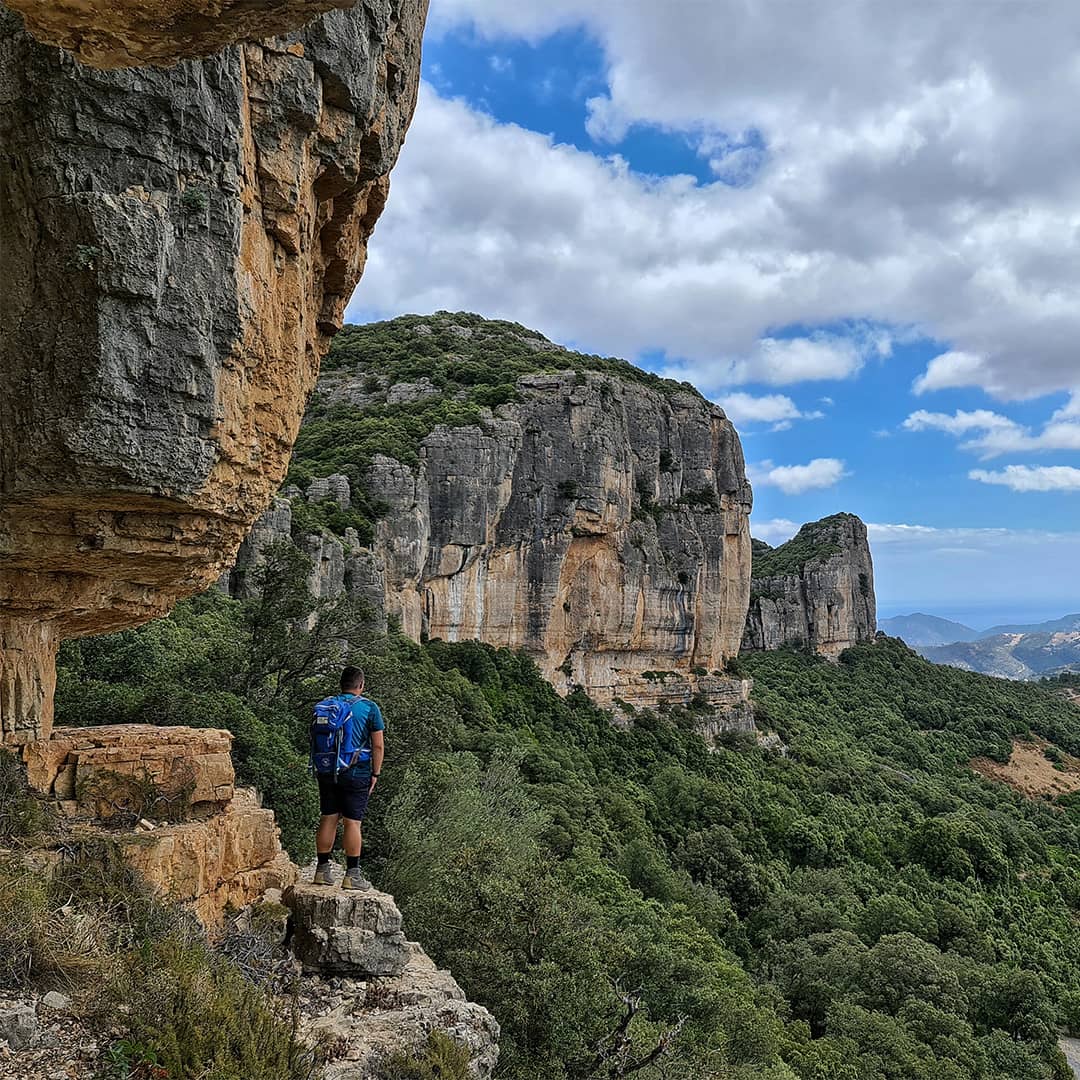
(176, 246)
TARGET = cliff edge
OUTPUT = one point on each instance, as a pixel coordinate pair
(518, 494)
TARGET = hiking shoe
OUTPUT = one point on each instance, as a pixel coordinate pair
(324, 875)
(353, 879)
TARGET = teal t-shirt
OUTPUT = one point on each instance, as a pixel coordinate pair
(367, 717)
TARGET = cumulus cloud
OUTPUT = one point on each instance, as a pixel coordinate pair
(1031, 477)
(907, 166)
(774, 531)
(776, 409)
(795, 479)
(996, 434)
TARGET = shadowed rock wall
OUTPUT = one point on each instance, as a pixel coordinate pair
(176, 247)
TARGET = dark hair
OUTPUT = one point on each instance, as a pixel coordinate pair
(351, 677)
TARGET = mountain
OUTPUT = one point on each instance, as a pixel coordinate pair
(1066, 624)
(919, 629)
(1014, 655)
(815, 591)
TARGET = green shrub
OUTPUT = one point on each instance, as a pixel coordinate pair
(201, 1018)
(23, 816)
(440, 1058)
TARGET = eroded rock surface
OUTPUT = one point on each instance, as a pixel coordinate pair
(598, 523)
(176, 247)
(368, 993)
(167, 798)
(816, 591)
(123, 33)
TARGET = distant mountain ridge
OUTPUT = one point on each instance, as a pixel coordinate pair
(921, 629)
(1012, 651)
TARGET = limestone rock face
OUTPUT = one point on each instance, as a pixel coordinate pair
(598, 523)
(816, 591)
(224, 861)
(194, 763)
(176, 247)
(375, 1020)
(168, 797)
(128, 34)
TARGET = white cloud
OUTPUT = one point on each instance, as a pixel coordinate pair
(997, 434)
(776, 409)
(953, 369)
(774, 531)
(795, 479)
(1031, 477)
(919, 172)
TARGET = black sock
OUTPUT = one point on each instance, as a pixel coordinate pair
(352, 862)
(324, 858)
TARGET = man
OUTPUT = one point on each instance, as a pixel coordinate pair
(346, 795)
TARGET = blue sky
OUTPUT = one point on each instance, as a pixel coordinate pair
(844, 254)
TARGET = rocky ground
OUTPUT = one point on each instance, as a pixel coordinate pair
(41, 1039)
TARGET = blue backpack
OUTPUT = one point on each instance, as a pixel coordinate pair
(338, 736)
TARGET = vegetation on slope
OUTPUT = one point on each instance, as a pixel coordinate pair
(472, 364)
(131, 962)
(814, 542)
(628, 902)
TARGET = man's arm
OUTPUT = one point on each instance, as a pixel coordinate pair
(378, 748)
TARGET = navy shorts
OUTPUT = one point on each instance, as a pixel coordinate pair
(348, 796)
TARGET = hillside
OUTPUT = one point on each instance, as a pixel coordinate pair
(1067, 624)
(1017, 655)
(866, 905)
(919, 629)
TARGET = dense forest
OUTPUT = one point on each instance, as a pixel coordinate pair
(860, 906)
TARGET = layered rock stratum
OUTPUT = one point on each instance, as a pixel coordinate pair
(123, 33)
(816, 591)
(177, 245)
(597, 519)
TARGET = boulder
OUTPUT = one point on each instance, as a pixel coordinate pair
(19, 1025)
(345, 932)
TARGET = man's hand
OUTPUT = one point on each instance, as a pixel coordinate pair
(374, 781)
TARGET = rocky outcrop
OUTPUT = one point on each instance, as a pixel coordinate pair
(341, 932)
(108, 34)
(167, 798)
(598, 523)
(369, 993)
(816, 591)
(176, 247)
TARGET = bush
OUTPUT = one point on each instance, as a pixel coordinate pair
(440, 1058)
(23, 816)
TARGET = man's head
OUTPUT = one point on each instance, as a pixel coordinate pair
(352, 680)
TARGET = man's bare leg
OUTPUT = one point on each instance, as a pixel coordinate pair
(324, 847)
